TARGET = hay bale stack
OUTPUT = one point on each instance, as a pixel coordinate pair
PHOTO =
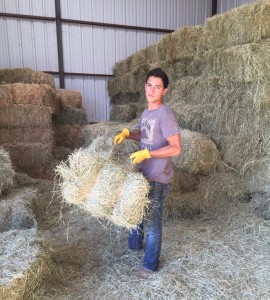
(69, 122)
(173, 53)
(25, 75)
(245, 24)
(28, 100)
(26, 132)
(6, 171)
(95, 182)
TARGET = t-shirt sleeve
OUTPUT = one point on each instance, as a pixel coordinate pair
(168, 123)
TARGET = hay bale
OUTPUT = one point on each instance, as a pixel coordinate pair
(241, 63)
(77, 176)
(6, 171)
(106, 191)
(183, 205)
(123, 112)
(69, 136)
(122, 67)
(137, 59)
(199, 153)
(164, 47)
(184, 42)
(96, 183)
(130, 208)
(25, 262)
(25, 135)
(61, 153)
(70, 98)
(256, 174)
(183, 181)
(25, 116)
(151, 54)
(35, 94)
(126, 98)
(25, 75)
(5, 96)
(245, 24)
(71, 116)
(219, 189)
(33, 159)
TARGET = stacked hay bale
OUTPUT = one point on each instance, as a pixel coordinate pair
(220, 89)
(6, 171)
(35, 117)
(126, 89)
(69, 122)
(25, 122)
(97, 180)
(229, 99)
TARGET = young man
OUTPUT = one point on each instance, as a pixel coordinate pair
(159, 136)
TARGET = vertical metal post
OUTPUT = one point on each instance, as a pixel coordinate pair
(214, 7)
(59, 43)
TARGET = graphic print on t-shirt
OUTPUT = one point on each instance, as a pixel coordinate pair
(147, 133)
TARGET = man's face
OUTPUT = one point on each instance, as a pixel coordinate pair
(154, 90)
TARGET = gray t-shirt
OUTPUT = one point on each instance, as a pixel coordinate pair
(155, 126)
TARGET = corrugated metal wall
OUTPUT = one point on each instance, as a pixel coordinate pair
(225, 5)
(91, 49)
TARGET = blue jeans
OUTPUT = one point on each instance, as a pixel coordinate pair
(152, 225)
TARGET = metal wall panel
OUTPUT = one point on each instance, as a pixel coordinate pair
(28, 43)
(169, 14)
(45, 8)
(225, 5)
(89, 49)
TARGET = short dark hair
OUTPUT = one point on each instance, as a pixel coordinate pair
(158, 72)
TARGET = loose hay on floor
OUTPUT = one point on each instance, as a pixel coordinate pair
(25, 262)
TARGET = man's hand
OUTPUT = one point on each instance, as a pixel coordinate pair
(139, 156)
(119, 138)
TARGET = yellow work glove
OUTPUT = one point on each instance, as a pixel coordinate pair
(118, 139)
(139, 156)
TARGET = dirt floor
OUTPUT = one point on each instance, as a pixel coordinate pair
(224, 255)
